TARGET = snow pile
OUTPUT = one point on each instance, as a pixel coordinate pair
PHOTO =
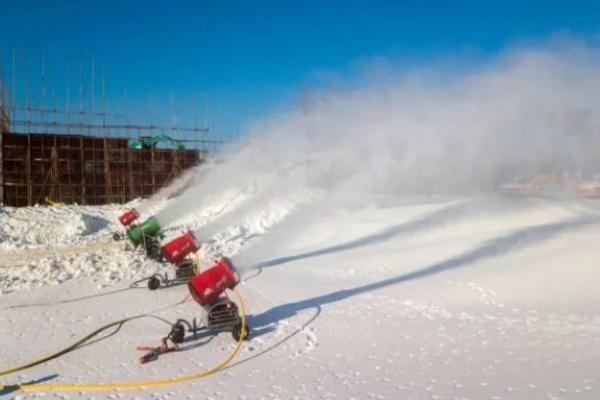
(48, 246)
(46, 226)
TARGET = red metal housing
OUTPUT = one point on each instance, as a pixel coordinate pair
(208, 285)
(176, 250)
(128, 217)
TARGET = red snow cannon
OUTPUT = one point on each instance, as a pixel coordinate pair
(128, 217)
(176, 250)
(208, 286)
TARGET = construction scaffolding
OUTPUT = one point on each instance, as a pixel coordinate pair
(79, 152)
(85, 170)
(88, 168)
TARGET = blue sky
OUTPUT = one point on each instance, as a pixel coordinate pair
(238, 60)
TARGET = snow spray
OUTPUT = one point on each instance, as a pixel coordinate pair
(423, 130)
(426, 130)
(174, 189)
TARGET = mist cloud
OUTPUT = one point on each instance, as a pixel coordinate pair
(423, 132)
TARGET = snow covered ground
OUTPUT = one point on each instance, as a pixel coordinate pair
(486, 297)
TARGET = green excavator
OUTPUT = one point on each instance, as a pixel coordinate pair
(149, 142)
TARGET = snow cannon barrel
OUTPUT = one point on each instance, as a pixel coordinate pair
(177, 249)
(149, 227)
(206, 287)
(128, 217)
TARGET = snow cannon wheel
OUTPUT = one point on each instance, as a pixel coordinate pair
(153, 283)
(177, 333)
(117, 237)
(236, 332)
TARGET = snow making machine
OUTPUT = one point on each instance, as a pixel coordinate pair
(220, 313)
(208, 289)
(177, 252)
(148, 234)
(127, 219)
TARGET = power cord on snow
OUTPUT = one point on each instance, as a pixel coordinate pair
(127, 385)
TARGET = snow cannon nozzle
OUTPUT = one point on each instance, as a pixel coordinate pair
(128, 217)
(206, 287)
(148, 228)
(177, 249)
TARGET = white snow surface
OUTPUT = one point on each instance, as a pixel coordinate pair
(485, 297)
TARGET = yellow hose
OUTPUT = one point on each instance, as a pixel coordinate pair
(143, 384)
(81, 341)
(7, 266)
(64, 250)
(197, 254)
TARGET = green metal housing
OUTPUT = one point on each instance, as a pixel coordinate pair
(149, 227)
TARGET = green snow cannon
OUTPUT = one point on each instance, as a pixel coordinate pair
(148, 228)
(147, 234)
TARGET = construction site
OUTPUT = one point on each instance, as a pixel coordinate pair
(51, 155)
